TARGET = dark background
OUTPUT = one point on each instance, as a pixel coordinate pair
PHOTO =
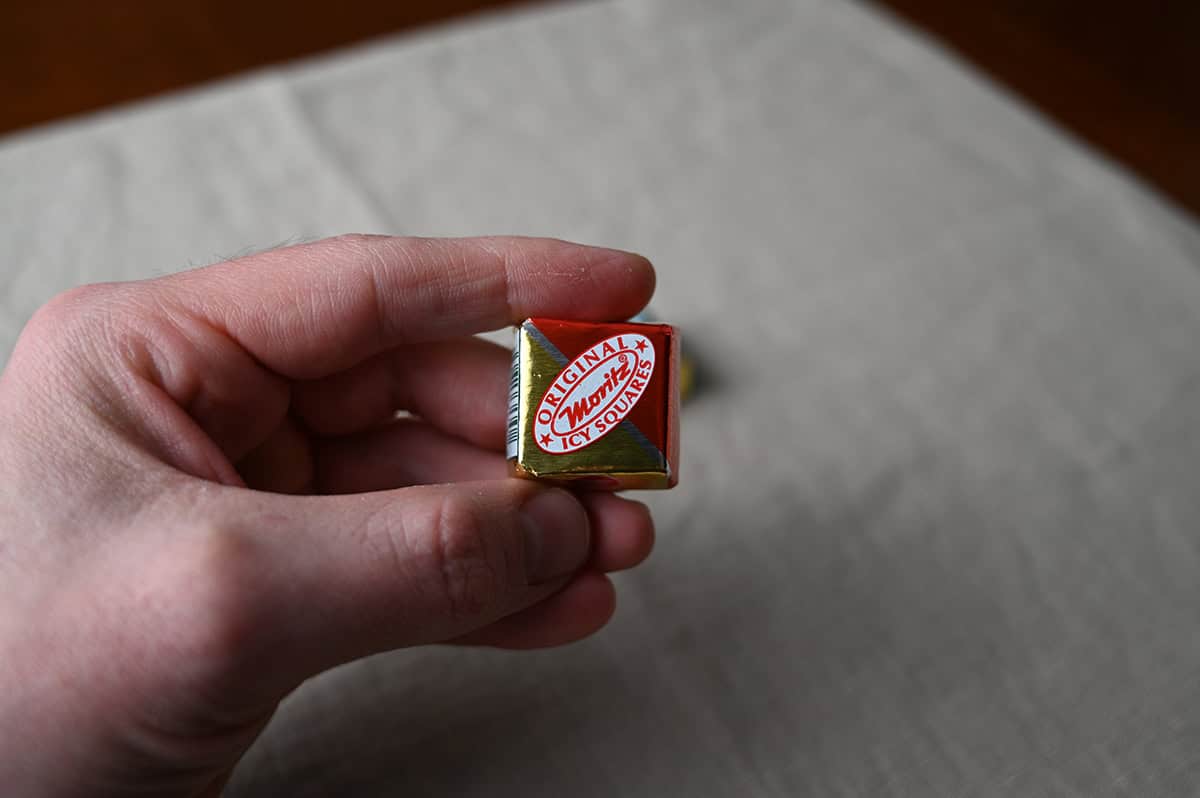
(1123, 75)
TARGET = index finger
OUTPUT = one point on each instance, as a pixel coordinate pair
(314, 309)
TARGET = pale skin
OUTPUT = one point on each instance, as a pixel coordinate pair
(206, 496)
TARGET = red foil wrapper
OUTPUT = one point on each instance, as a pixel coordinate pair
(595, 404)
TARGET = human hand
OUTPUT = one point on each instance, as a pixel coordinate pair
(206, 496)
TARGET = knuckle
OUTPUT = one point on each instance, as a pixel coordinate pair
(467, 562)
(210, 591)
(363, 245)
(65, 309)
(355, 239)
(68, 327)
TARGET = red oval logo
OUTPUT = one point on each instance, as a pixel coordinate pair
(593, 393)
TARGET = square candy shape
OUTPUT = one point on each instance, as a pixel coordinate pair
(596, 405)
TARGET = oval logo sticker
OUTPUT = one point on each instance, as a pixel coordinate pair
(593, 393)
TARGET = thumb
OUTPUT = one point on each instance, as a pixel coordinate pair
(306, 583)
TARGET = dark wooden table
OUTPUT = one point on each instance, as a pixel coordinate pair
(1124, 76)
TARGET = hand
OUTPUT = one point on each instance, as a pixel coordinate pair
(161, 589)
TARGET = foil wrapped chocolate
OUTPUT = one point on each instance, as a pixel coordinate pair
(595, 404)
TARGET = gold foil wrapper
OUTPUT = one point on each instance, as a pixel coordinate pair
(637, 448)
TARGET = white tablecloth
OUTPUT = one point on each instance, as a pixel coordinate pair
(937, 530)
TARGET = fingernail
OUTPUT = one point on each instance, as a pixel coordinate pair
(556, 535)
